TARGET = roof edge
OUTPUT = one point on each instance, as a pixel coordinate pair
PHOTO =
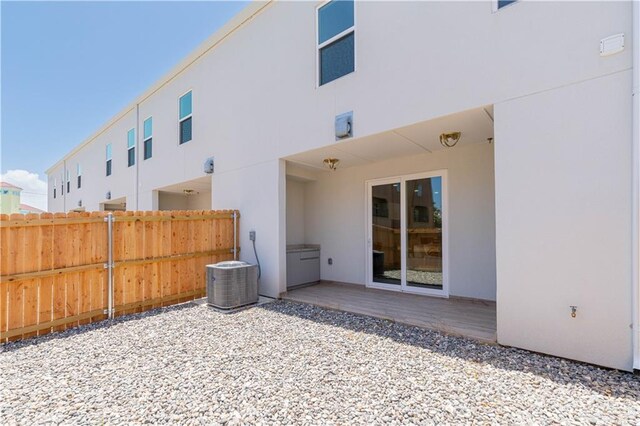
(235, 23)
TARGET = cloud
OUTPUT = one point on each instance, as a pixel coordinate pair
(34, 189)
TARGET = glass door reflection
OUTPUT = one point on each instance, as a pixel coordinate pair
(424, 233)
(385, 238)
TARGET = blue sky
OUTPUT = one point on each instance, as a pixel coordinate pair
(68, 67)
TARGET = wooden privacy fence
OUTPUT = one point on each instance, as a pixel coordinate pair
(54, 267)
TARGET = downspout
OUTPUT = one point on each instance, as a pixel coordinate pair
(635, 185)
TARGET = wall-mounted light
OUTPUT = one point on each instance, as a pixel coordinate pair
(331, 163)
(449, 140)
(188, 191)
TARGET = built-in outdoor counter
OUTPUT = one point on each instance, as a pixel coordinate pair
(303, 264)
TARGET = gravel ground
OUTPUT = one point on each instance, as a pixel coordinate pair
(287, 363)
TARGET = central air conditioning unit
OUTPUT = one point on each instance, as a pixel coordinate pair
(232, 284)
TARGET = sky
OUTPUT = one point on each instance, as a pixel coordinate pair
(68, 67)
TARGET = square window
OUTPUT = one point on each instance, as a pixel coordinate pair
(148, 148)
(337, 59)
(185, 130)
(336, 40)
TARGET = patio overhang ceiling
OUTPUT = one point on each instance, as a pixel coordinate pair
(195, 186)
(476, 126)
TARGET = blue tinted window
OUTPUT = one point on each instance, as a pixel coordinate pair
(148, 148)
(337, 59)
(503, 3)
(131, 138)
(148, 127)
(185, 130)
(185, 105)
(333, 18)
(109, 152)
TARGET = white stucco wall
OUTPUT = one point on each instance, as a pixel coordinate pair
(562, 121)
(335, 216)
(259, 193)
(255, 97)
(563, 213)
(295, 211)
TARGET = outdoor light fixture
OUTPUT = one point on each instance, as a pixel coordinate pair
(449, 140)
(331, 163)
(188, 191)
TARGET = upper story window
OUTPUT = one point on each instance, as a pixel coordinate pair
(79, 172)
(68, 181)
(131, 148)
(55, 184)
(147, 135)
(336, 40)
(185, 117)
(108, 157)
(502, 3)
(62, 183)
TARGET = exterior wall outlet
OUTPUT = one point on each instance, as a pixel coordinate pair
(330, 261)
(252, 235)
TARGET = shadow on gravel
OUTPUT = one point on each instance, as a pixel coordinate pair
(606, 382)
(36, 340)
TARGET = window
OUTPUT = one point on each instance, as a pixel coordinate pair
(68, 181)
(336, 40)
(185, 118)
(131, 148)
(61, 183)
(503, 3)
(79, 171)
(108, 149)
(55, 184)
(147, 134)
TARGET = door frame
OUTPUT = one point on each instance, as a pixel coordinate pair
(403, 287)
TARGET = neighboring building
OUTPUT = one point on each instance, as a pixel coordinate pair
(9, 198)
(535, 207)
(26, 208)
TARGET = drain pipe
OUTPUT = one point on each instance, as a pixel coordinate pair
(109, 265)
(635, 184)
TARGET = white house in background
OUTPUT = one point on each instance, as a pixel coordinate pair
(535, 206)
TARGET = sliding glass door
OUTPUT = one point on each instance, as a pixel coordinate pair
(407, 233)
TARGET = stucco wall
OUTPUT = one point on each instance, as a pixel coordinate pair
(295, 212)
(255, 96)
(335, 216)
(563, 213)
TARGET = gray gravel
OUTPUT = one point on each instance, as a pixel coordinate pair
(287, 363)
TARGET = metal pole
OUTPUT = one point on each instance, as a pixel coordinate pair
(635, 184)
(109, 265)
(235, 235)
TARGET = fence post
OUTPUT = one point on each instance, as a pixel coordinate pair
(235, 235)
(109, 265)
